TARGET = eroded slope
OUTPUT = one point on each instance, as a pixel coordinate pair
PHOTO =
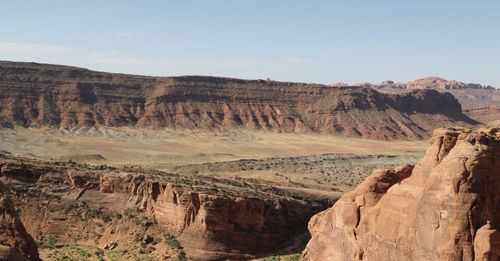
(41, 95)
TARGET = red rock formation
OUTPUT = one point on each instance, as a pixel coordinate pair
(213, 227)
(213, 218)
(38, 95)
(15, 242)
(434, 83)
(470, 95)
(448, 208)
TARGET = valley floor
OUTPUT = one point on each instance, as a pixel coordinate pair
(316, 161)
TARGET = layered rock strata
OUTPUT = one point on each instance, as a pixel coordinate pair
(445, 208)
(36, 95)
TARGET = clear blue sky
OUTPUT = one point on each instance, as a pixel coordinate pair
(309, 41)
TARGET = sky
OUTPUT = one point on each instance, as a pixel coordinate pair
(302, 41)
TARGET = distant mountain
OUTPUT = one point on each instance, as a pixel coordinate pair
(35, 95)
(470, 95)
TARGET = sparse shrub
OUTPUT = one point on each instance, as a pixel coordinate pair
(129, 213)
(95, 235)
(48, 242)
(156, 240)
(171, 241)
(84, 253)
(105, 217)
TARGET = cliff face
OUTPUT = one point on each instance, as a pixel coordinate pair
(445, 208)
(15, 242)
(213, 226)
(38, 95)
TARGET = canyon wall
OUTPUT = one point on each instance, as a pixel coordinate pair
(212, 226)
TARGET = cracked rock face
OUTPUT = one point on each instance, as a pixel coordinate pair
(447, 207)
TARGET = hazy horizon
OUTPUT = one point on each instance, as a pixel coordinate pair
(315, 41)
(201, 75)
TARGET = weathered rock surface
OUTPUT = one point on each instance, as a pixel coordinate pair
(213, 226)
(48, 95)
(15, 242)
(446, 208)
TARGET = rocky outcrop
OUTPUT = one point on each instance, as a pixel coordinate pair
(83, 180)
(213, 218)
(15, 242)
(48, 95)
(434, 83)
(445, 208)
(211, 226)
(470, 95)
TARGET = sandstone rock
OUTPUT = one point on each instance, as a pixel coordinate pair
(487, 243)
(15, 242)
(448, 208)
(213, 227)
(83, 180)
(212, 218)
(21, 173)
